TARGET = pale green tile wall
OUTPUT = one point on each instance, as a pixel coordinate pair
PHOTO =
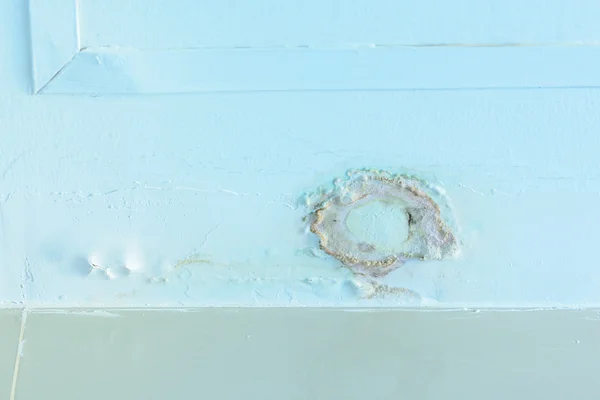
(10, 326)
(263, 354)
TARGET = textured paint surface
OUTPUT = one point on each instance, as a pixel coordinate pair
(129, 192)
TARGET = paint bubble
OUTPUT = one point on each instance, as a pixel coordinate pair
(81, 266)
(117, 272)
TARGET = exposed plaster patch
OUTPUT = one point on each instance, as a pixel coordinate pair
(368, 289)
(420, 234)
(376, 290)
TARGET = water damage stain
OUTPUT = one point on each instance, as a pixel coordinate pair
(373, 221)
(191, 260)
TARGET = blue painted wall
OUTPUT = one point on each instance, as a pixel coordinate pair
(154, 153)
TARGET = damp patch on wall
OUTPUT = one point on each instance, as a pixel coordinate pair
(374, 221)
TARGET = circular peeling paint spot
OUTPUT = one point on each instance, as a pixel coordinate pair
(374, 221)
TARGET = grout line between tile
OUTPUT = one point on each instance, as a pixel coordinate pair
(13, 388)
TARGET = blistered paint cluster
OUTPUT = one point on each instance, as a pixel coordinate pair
(428, 236)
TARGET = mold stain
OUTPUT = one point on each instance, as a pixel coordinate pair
(374, 221)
